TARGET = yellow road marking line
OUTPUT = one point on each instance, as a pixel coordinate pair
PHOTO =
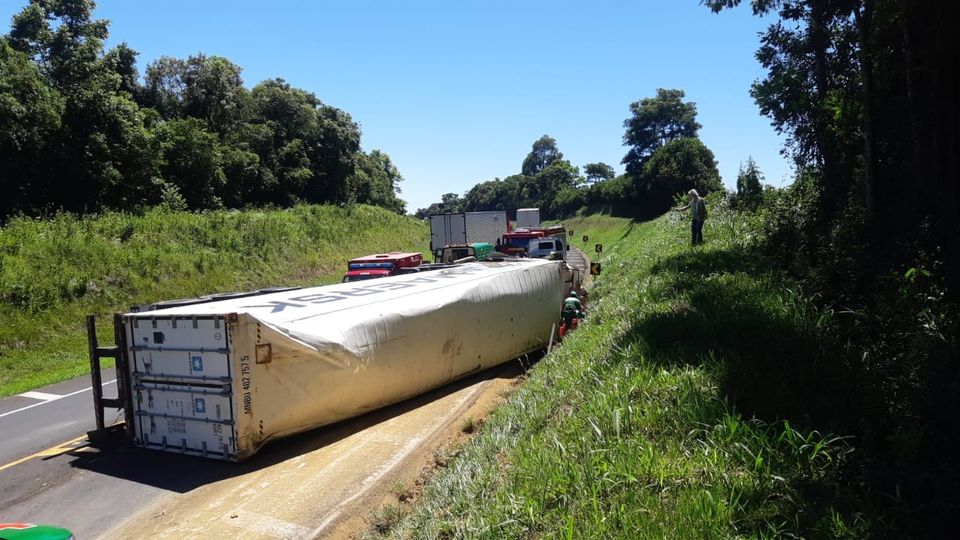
(61, 448)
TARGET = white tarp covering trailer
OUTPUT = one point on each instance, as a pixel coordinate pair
(219, 379)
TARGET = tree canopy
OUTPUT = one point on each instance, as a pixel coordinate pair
(596, 172)
(543, 153)
(749, 185)
(81, 131)
(676, 167)
(654, 122)
(544, 176)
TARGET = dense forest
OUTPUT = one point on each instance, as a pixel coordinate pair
(82, 131)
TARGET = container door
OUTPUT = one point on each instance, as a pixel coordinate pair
(457, 229)
(447, 229)
(182, 385)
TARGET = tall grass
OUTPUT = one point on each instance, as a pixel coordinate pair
(684, 407)
(54, 271)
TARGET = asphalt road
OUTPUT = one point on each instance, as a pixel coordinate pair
(36, 420)
(124, 492)
(577, 259)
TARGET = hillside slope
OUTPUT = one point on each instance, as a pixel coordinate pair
(679, 409)
(53, 272)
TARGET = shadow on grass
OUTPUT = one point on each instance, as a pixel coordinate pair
(629, 230)
(731, 314)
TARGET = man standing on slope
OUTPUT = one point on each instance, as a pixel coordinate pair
(698, 213)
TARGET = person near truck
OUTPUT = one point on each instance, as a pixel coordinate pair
(698, 214)
(572, 309)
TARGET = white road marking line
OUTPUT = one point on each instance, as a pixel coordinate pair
(42, 396)
(21, 409)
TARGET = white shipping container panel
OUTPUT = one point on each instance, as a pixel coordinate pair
(222, 378)
(446, 229)
(185, 419)
(485, 226)
(528, 218)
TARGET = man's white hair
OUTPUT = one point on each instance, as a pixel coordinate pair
(693, 192)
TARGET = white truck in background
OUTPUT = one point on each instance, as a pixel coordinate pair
(552, 247)
(528, 218)
(467, 228)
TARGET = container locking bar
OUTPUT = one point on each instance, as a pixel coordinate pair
(103, 434)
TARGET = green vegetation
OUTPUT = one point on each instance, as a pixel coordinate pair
(689, 405)
(54, 272)
(81, 131)
(665, 157)
(869, 237)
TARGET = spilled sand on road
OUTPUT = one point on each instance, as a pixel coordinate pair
(344, 477)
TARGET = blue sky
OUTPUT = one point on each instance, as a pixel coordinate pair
(457, 91)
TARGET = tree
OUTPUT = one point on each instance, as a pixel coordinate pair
(597, 172)
(193, 162)
(164, 87)
(749, 185)
(245, 183)
(674, 168)
(541, 190)
(213, 91)
(496, 195)
(307, 150)
(68, 50)
(865, 93)
(81, 133)
(613, 196)
(655, 122)
(544, 153)
(101, 155)
(376, 182)
(449, 203)
(30, 113)
(334, 153)
(122, 60)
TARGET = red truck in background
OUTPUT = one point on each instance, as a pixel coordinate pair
(381, 265)
(517, 241)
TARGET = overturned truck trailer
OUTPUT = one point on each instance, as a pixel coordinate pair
(221, 378)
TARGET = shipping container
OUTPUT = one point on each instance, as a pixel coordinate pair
(219, 379)
(467, 228)
(528, 218)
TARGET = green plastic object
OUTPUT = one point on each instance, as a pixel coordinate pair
(31, 531)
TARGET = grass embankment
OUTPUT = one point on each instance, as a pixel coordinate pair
(54, 272)
(682, 408)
